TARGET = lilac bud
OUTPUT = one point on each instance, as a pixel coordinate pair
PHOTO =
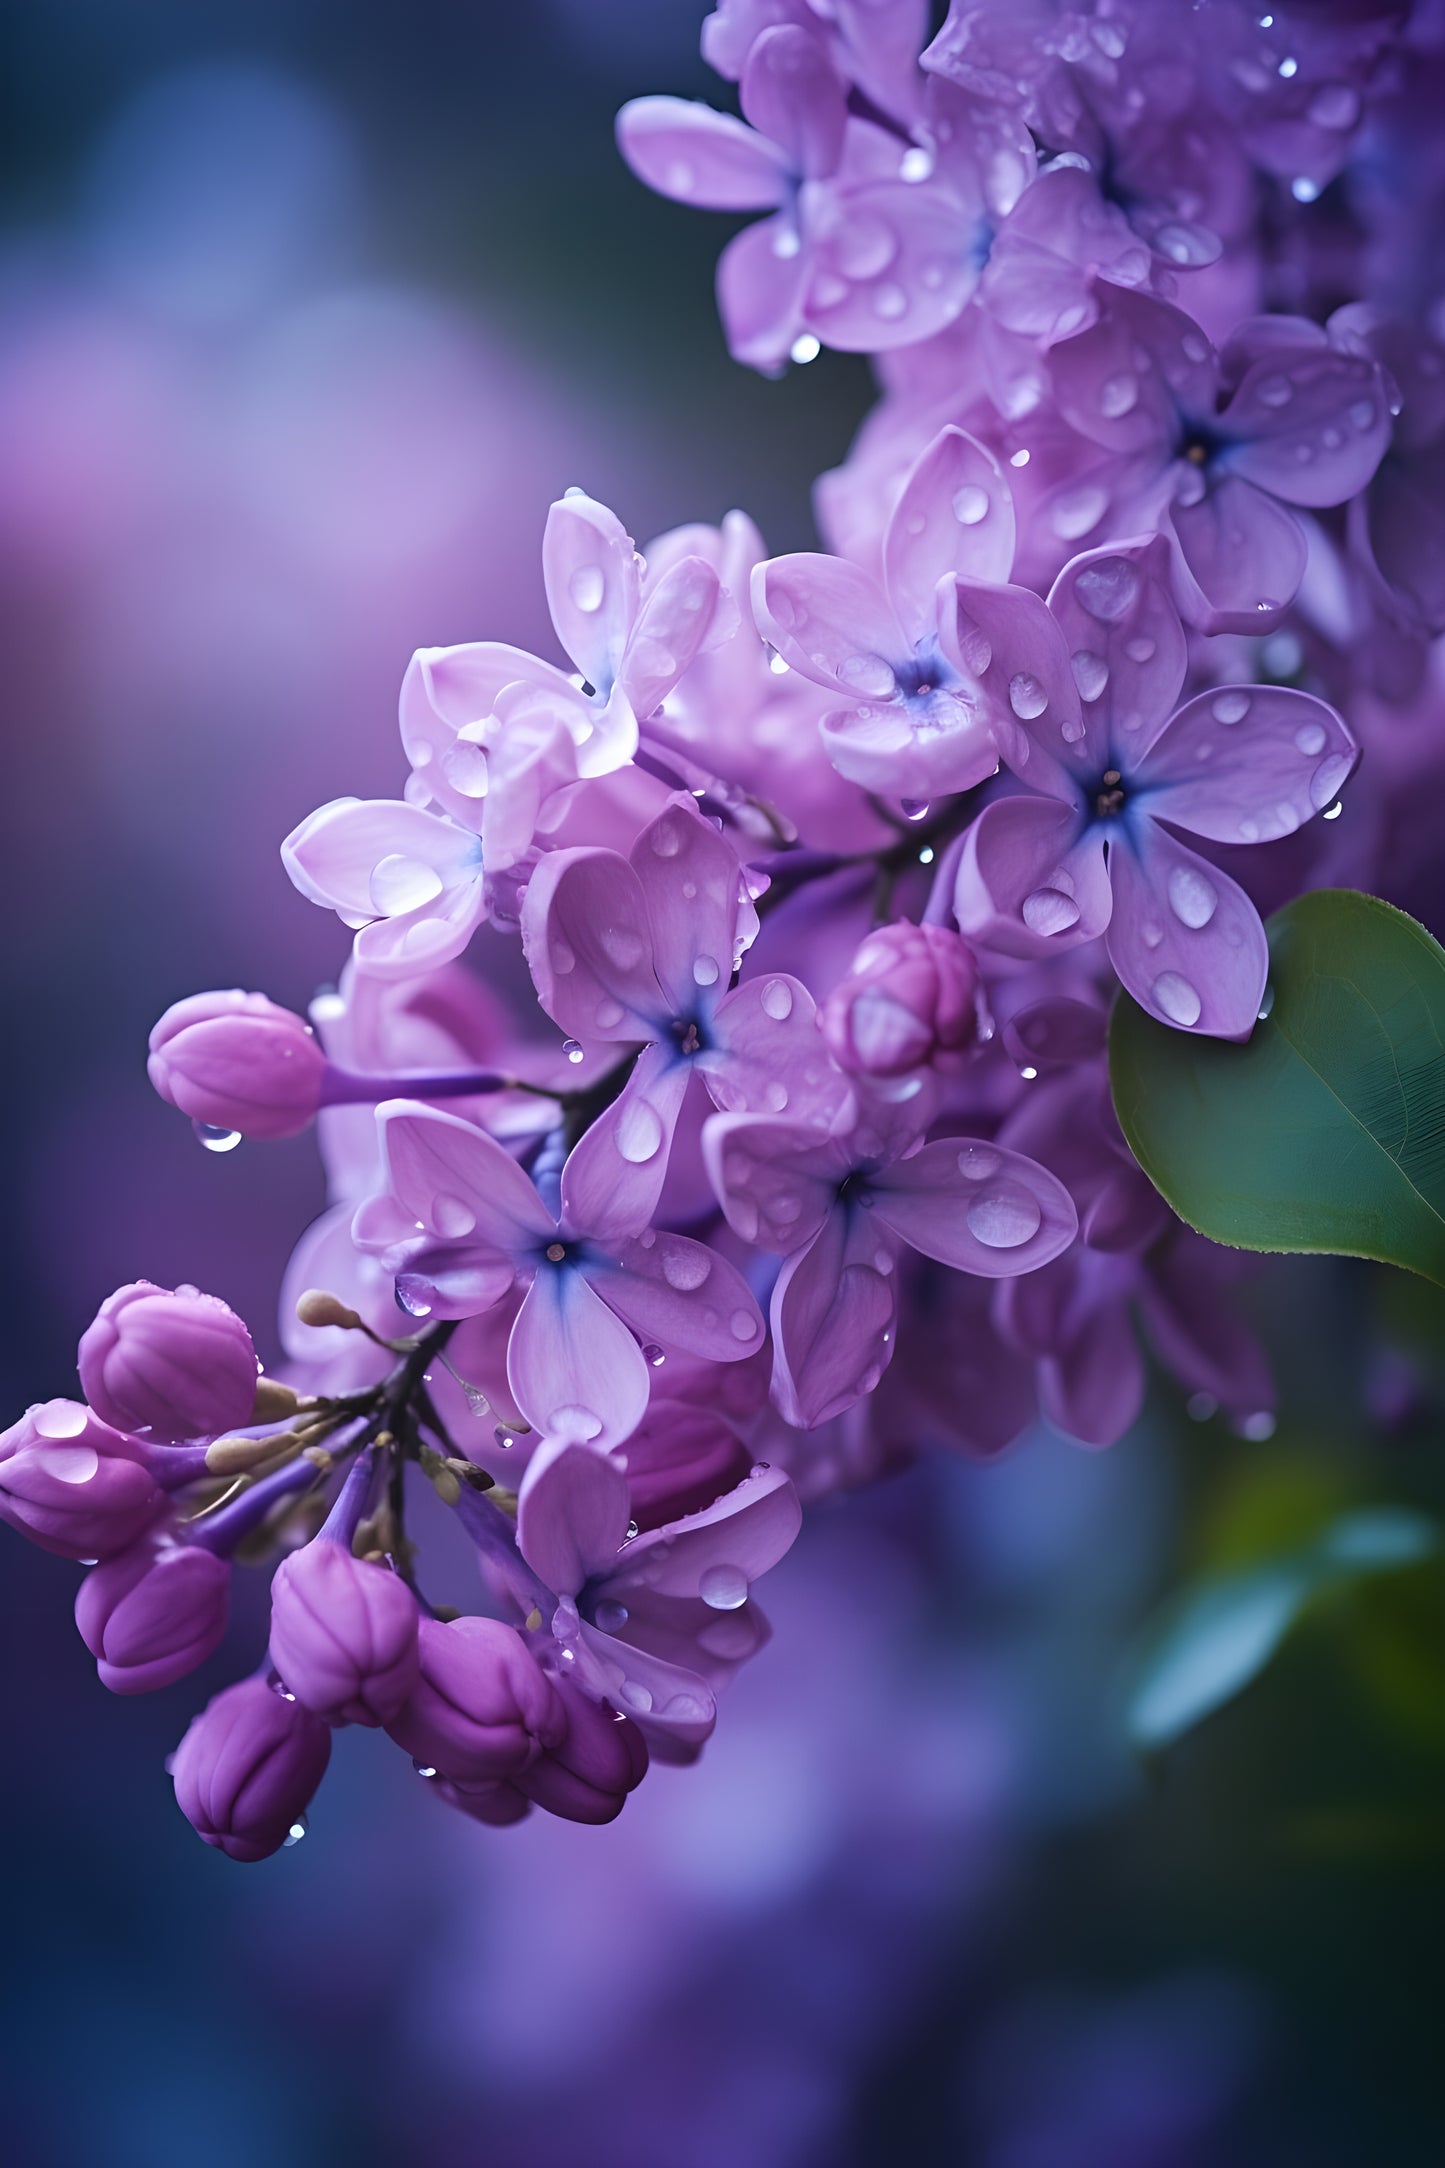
(588, 1776)
(237, 1061)
(343, 1634)
(482, 1706)
(170, 1365)
(72, 1484)
(912, 993)
(151, 1614)
(248, 1767)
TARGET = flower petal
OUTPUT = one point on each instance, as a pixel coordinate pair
(1130, 379)
(686, 150)
(378, 857)
(1184, 938)
(461, 711)
(691, 883)
(614, 1173)
(674, 1708)
(575, 1369)
(572, 1514)
(681, 1294)
(833, 1313)
(592, 576)
(886, 268)
(1313, 424)
(976, 1207)
(1247, 763)
(768, 1055)
(678, 617)
(1031, 880)
(1240, 559)
(761, 276)
(792, 94)
(588, 943)
(955, 514)
(775, 1180)
(1008, 645)
(458, 1182)
(716, 1554)
(1127, 650)
(831, 623)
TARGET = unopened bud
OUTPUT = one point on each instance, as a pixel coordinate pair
(236, 1061)
(343, 1634)
(911, 994)
(248, 1767)
(72, 1484)
(317, 1307)
(273, 1401)
(168, 1364)
(153, 1613)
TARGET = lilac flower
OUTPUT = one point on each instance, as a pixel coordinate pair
(1397, 524)
(1095, 734)
(841, 1209)
(1213, 450)
(238, 1062)
(482, 1708)
(169, 1364)
(495, 735)
(72, 1484)
(463, 1224)
(409, 881)
(863, 251)
(907, 659)
(654, 1624)
(343, 1630)
(153, 1612)
(248, 1767)
(643, 948)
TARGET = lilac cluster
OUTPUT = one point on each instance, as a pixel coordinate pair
(824, 868)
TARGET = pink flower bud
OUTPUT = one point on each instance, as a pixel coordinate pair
(72, 1484)
(910, 995)
(237, 1061)
(151, 1614)
(248, 1768)
(588, 1776)
(344, 1634)
(482, 1707)
(168, 1365)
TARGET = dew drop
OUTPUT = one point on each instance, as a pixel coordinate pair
(622, 946)
(1334, 106)
(1091, 673)
(777, 1000)
(410, 1296)
(914, 809)
(1231, 707)
(1193, 898)
(890, 302)
(610, 1615)
(1311, 738)
(295, 1833)
(805, 348)
(1005, 1217)
(60, 1419)
(1139, 649)
(587, 586)
(744, 1326)
(637, 1696)
(970, 504)
(574, 1050)
(1362, 413)
(976, 1162)
(504, 1437)
(452, 1218)
(1049, 911)
(1108, 590)
(1276, 391)
(1266, 1003)
(654, 1357)
(1118, 395)
(1177, 998)
(1327, 778)
(1026, 696)
(1303, 189)
(1332, 812)
(608, 1014)
(72, 1463)
(638, 1133)
(401, 884)
(1077, 511)
(915, 165)
(869, 675)
(685, 1268)
(723, 1588)
(476, 1399)
(705, 970)
(216, 1140)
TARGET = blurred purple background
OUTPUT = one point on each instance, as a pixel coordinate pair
(306, 313)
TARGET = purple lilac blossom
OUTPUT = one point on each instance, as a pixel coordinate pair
(168, 1364)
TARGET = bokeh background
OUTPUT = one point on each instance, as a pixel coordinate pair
(307, 311)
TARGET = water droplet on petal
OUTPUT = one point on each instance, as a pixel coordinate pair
(504, 1437)
(890, 302)
(401, 884)
(608, 1014)
(1311, 737)
(869, 675)
(777, 1000)
(1108, 590)
(638, 1133)
(1276, 391)
(1139, 649)
(1177, 998)
(1091, 673)
(1005, 1217)
(637, 1696)
(1049, 911)
(970, 504)
(1193, 897)
(574, 1050)
(1231, 707)
(216, 1140)
(723, 1588)
(295, 1833)
(705, 970)
(805, 348)
(976, 1162)
(744, 1326)
(1077, 511)
(452, 1218)
(1266, 1003)
(623, 946)
(1327, 778)
(587, 587)
(411, 1296)
(61, 1419)
(1362, 413)
(915, 165)
(1026, 696)
(610, 1615)
(654, 1357)
(1118, 395)
(686, 1267)
(1336, 105)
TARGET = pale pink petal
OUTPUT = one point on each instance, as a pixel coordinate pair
(459, 1182)
(574, 1368)
(672, 1706)
(684, 613)
(378, 857)
(761, 278)
(830, 622)
(1092, 1385)
(886, 265)
(458, 706)
(1185, 939)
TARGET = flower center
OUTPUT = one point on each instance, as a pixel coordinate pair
(556, 1252)
(1109, 797)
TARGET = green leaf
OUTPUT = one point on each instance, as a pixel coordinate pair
(1326, 1132)
(1218, 1636)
